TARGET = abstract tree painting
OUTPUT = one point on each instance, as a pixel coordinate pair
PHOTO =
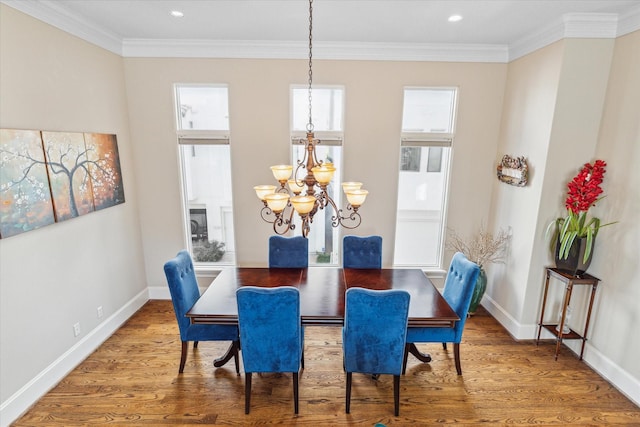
(68, 167)
(54, 176)
(104, 169)
(25, 199)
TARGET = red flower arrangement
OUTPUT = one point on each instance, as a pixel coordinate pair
(584, 189)
(583, 192)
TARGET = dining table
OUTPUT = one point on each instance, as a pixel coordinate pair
(322, 296)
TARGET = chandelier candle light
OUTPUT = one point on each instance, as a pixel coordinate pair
(279, 203)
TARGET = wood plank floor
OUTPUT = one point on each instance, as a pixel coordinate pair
(133, 380)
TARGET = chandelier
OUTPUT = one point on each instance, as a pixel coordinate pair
(280, 202)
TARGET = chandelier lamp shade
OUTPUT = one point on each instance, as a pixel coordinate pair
(306, 195)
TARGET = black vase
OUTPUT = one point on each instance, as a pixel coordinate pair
(574, 264)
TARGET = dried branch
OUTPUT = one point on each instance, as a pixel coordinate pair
(482, 248)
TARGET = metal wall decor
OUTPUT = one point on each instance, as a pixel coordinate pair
(513, 170)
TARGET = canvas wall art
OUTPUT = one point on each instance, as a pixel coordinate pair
(68, 168)
(25, 198)
(104, 168)
(54, 176)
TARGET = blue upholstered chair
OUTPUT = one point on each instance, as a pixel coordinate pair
(374, 335)
(288, 252)
(458, 289)
(362, 252)
(271, 333)
(184, 290)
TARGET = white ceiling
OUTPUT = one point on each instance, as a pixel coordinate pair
(486, 24)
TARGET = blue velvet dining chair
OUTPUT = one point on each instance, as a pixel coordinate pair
(184, 290)
(458, 289)
(374, 335)
(288, 252)
(271, 334)
(362, 252)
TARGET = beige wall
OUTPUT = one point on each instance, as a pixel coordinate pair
(58, 275)
(615, 331)
(530, 98)
(259, 110)
(566, 104)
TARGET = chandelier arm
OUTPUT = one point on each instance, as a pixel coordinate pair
(324, 199)
(306, 226)
(314, 142)
(337, 219)
(266, 213)
(282, 225)
(354, 218)
(301, 163)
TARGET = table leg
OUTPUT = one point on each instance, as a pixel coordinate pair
(231, 351)
(423, 357)
(565, 304)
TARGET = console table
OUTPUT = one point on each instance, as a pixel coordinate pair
(555, 328)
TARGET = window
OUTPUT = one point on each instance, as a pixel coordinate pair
(427, 132)
(203, 136)
(327, 109)
(434, 163)
(410, 159)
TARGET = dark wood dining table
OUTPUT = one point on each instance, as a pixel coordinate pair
(322, 293)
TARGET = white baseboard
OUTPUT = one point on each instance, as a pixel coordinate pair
(605, 367)
(23, 399)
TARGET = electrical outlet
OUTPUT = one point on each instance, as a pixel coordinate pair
(100, 312)
(76, 329)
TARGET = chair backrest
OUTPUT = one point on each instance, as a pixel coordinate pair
(270, 328)
(362, 252)
(458, 288)
(288, 252)
(375, 330)
(181, 278)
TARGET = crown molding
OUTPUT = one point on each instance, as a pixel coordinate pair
(590, 25)
(322, 50)
(574, 25)
(629, 22)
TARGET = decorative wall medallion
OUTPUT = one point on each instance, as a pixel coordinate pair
(513, 170)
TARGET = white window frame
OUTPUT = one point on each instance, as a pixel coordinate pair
(434, 139)
(196, 137)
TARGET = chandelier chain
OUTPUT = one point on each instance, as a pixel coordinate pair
(310, 124)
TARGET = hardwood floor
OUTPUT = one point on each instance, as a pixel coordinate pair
(133, 380)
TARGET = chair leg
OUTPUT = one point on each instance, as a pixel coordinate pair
(396, 394)
(302, 360)
(404, 358)
(236, 349)
(456, 355)
(247, 391)
(295, 392)
(444, 345)
(195, 344)
(348, 400)
(183, 355)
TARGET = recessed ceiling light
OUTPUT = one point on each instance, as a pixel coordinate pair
(176, 14)
(455, 18)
